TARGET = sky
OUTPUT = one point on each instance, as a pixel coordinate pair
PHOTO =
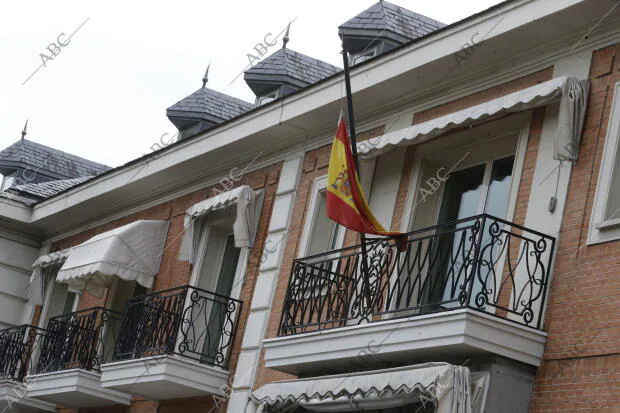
(101, 92)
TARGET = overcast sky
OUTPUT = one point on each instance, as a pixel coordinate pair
(104, 95)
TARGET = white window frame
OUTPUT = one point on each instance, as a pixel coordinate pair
(521, 127)
(319, 184)
(198, 265)
(240, 271)
(262, 100)
(48, 298)
(364, 55)
(6, 182)
(602, 229)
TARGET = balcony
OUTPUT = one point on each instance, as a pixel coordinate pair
(174, 344)
(68, 362)
(467, 288)
(17, 344)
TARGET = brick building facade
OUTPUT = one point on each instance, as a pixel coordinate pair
(503, 300)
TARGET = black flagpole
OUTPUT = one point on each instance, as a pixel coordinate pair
(347, 82)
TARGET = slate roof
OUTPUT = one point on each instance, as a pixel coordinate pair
(30, 194)
(390, 17)
(211, 102)
(30, 155)
(287, 62)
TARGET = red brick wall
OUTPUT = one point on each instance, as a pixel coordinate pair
(581, 369)
(173, 273)
(485, 95)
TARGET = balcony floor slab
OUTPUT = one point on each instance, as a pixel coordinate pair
(74, 388)
(430, 337)
(164, 377)
(14, 398)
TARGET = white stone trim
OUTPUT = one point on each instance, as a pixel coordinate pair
(266, 283)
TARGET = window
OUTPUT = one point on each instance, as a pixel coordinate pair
(321, 234)
(270, 97)
(613, 202)
(605, 222)
(364, 55)
(61, 301)
(475, 172)
(6, 181)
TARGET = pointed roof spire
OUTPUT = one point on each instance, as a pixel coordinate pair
(285, 39)
(25, 131)
(205, 78)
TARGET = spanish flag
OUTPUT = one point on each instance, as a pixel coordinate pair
(346, 203)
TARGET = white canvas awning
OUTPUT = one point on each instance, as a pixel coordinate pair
(244, 228)
(132, 252)
(440, 384)
(572, 93)
(36, 289)
(53, 258)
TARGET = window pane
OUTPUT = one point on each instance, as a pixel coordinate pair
(613, 203)
(499, 187)
(6, 181)
(323, 232)
(462, 194)
(68, 308)
(59, 301)
(228, 268)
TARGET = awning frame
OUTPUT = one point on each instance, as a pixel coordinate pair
(570, 92)
(445, 385)
(249, 205)
(36, 287)
(131, 252)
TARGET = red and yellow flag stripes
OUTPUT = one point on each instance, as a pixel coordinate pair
(346, 203)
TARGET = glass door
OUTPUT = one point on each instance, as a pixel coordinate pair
(208, 310)
(219, 312)
(483, 188)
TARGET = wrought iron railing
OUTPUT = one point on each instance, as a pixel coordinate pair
(18, 348)
(483, 263)
(187, 321)
(80, 340)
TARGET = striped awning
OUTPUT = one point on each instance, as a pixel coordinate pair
(571, 92)
(444, 386)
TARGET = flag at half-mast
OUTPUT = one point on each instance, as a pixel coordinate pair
(346, 203)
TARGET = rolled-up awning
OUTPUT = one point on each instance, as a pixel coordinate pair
(445, 386)
(244, 228)
(572, 93)
(132, 252)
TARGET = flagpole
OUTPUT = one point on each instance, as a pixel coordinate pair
(347, 82)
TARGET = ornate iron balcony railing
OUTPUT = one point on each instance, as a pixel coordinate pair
(18, 348)
(187, 321)
(80, 340)
(483, 263)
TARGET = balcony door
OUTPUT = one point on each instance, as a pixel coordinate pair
(219, 277)
(121, 292)
(61, 301)
(483, 188)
